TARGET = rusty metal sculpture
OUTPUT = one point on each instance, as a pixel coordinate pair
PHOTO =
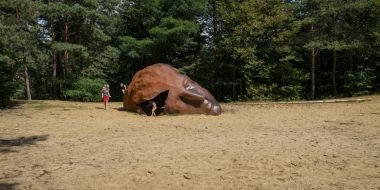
(163, 88)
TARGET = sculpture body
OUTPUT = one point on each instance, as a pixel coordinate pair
(185, 96)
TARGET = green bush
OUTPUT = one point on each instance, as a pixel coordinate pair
(359, 82)
(287, 93)
(285, 83)
(288, 82)
(85, 89)
(275, 92)
(259, 92)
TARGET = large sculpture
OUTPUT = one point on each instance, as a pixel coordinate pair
(161, 88)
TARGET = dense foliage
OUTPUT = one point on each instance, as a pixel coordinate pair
(7, 81)
(249, 49)
(85, 89)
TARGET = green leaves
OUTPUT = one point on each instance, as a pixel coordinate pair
(62, 46)
(104, 64)
(159, 32)
(359, 83)
(250, 48)
(184, 9)
(7, 80)
(171, 27)
(173, 34)
(85, 89)
(135, 48)
(74, 48)
(59, 10)
(99, 35)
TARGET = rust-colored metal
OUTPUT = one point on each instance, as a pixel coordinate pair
(185, 95)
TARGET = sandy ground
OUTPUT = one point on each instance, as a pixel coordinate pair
(72, 145)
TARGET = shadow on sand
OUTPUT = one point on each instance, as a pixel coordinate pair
(6, 147)
(11, 105)
(119, 109)
(7, 144)
(8, 186)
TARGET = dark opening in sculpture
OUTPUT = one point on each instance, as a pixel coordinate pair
(160, 83)
(158, 102)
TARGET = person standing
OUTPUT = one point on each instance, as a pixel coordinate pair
(106, 95)
(154, 107)
(124, 88)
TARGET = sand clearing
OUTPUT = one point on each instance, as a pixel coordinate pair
(72, 145)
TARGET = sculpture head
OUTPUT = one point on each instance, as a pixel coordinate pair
(185, 96)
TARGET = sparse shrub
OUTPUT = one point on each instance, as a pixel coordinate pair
(259, 92)
(359, 82)
(85, 89)
(288, 93)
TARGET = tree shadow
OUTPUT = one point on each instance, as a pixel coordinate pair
(7, 144)
(8, 186)
(12, 104)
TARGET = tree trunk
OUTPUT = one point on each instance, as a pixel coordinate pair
(333, 73)
(54, 63)
(215, 36)
(27, 85)
(312, 72)
(234, 96)
(26, 75)
(66, 53)
(53, 58)
(54, 82)
(350, 60)
(215, 49)
(241, 88)
(334, 59)
(312, 66)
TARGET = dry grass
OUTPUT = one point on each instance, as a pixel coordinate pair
(72, 145)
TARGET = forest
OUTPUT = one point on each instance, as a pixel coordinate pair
(278, 50)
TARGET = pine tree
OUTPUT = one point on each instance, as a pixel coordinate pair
(346, 28)
(257, 38)
(20, 36)
(159, 31)
(79, 39)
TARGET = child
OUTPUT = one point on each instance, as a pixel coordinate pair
(124, 88)
(154, 107)
(106, 95)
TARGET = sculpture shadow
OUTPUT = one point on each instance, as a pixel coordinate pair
(7, 144)
(141, 113)
(119, 109)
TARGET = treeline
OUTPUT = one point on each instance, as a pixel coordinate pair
(248, 49)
